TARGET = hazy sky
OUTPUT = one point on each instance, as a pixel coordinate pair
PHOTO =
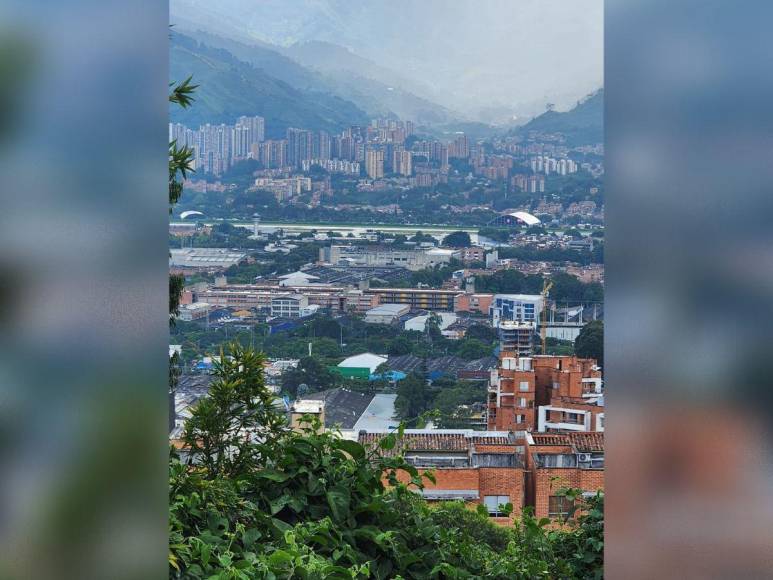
(472, 54)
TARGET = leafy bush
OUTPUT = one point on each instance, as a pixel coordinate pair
(249, 498)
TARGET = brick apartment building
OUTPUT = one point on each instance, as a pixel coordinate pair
(477, 467)
(557, 461)
(493, 468)
(545, 393)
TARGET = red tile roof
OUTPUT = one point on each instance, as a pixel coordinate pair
(448, 442)
(581, 442)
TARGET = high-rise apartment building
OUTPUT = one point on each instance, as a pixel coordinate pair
(374, 163)
(273, 154)
(300, 146)
(324, 146)
(459, 148)
(404, 163)
(240, 136)
(256, 126)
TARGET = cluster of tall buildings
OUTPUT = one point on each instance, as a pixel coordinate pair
(332, 166)
(548, 165)
(380, 148)
(217, 147)
(528, 183)
(459, 148)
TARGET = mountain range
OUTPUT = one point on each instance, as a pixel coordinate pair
(322, 86)
(493, 61)
(582, 124)
(230, 87)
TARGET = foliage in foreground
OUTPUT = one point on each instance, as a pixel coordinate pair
(308, 505)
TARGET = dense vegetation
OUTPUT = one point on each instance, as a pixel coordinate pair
(326, 335)
(533, 254)
(590, 342)
(566, 288)
(251, 499)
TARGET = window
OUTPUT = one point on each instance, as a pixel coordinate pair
(524, 386)
(559, 506)
(556, 460)
(493, 504)
(519, 419)
(522, 402)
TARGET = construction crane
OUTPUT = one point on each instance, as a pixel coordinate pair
(546, 286)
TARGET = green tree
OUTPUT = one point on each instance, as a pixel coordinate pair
(432, 327)
(325, 326)
(400, 346)
(457, 240)
(590, 342)
(574, 234)
(238, 408)
(481, 332)
(472, 348)
(413, 396)
(310, 372)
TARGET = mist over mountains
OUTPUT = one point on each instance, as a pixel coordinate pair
(495, 62)
(329, 91)
(229, 87)
(584, 123)
(336, 71)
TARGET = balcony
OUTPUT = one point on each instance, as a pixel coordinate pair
(570, 419)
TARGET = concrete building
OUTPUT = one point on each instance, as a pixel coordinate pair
(404, 165)
(386, 313)
(374, 163)
(191, 260)
(518, 307)
(289, 305)
(194, 311)
(416, 298)
(343, 408)
(380, 257)
(359, 302)
(297, 279)
(516, 337)
(361, 365)
(303, 410)
(419, 323)
(260, 295)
